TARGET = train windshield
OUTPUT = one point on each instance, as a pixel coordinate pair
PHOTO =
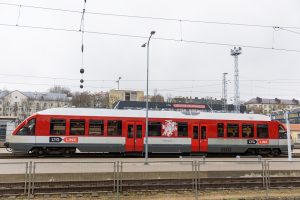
(282, 132)
(28, 128)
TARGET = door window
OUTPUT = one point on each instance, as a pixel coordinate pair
(195, 132)
(139, 131)
(203, 132)
(130, 131)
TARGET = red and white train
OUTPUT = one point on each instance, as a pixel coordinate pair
(65, 130)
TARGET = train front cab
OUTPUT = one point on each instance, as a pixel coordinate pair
(23, 138)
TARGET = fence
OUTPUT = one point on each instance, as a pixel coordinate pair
(190, 178)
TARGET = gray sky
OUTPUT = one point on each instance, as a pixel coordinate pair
(176, 68)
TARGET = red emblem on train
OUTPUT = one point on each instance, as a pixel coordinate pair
(71, 139)
(170, 128)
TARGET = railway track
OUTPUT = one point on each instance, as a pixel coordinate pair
(148, 185)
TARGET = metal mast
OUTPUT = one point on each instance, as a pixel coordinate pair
(236, 52)
(224, 92)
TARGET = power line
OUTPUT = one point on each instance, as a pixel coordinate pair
(151, 18)
(156, 38)
(154, 80)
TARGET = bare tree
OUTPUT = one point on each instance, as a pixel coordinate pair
(61, 89)
(82, 99)
(101, 100)
(157, 97)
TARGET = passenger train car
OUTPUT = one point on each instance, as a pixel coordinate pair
(65, 130)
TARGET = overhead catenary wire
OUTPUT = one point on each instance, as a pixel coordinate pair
(149, 17)
(296, 81)
(155, 38)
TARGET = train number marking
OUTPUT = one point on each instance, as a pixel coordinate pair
(55, 139)
(251, 141)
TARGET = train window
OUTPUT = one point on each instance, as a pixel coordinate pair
(282, 132)
(139, 131)
(262, 131)
(96, 127)
(232, 130)
(195, 132)
(248, 130)
(130, 131)
(58, 127)
(220, 127)
(154, 129)
(28, 129)
(203, 132)
(114, 128)
(182, 129)
(76, 127)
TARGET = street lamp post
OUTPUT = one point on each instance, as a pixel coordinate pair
(147, 97)
(118, 81)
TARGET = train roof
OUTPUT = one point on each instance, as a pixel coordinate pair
(152, 114)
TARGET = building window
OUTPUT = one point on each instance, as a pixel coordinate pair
(58, 127)
(127, 96)
(76, 127)
(248, 130)
(96, 127)
(115, 128)
(154, 128)
(232, 130)
(262, 131)
(220, 127)
(182, 129)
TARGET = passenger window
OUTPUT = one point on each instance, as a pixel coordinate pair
(195, 132)
(232, 130)
(262, 131)
(96, 127)
(139, 131)
(203, 132)
(220, 127)
(114, 128)
(130, 131)
(182, 129)
(248, 130)
(57, 127)
(154, 129)
(28, 129)
(282, 132)
(76, 127)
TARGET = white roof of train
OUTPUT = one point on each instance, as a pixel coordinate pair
(152, 114)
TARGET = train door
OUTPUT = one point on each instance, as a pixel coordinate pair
(199, 138)
(203, 138)
(195, 138)
(134, 137)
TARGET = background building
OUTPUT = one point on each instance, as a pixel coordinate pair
(124, 95)
(22, 104)
(266, 106)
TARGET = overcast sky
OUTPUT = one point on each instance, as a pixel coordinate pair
(176, 68)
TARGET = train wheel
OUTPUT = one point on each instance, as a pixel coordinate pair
(68, 152)
(275, 152)
(40, 153)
